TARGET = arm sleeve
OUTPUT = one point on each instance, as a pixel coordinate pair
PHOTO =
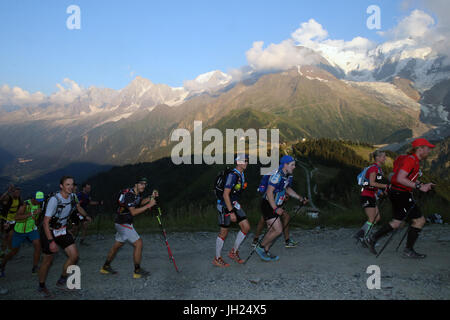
(51, 207)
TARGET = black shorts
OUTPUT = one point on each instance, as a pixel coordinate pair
(368, 202)
(62, 241)
(403, 203)
(267, 210)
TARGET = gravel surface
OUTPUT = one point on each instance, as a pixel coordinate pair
(326, 265)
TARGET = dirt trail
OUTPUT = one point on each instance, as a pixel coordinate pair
(326, 265)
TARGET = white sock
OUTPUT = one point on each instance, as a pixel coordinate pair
(219, 246)
(239, 238)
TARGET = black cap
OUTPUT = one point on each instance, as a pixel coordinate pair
(143, 179)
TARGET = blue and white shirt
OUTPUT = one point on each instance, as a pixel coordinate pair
(280, 181)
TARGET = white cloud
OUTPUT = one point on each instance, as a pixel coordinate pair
(280, 56)
(416, 25)
(310, 31)
(17, 96)
(68, 92)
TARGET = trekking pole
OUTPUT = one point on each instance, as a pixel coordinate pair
(403, 238)
(165, 238)
(395, 231)
(260, 241)
(297, 210)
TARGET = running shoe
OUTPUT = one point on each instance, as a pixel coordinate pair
(411, 253)
(371, 243)
(219, 262)
(61, 283)
(107, 270)
(234, 255)
(290, 243)
(265, 256)
(44, 292)
(140, 273)
(359, 236)
(255, 242)
(273, 257)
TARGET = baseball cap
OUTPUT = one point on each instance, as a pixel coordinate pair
(422, 142)
(241, 158)
(142, 180)
(39, 196)
(286, 159)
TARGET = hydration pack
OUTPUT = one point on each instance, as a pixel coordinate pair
(219, 182)
(262, 188)
(362, 179)
(55, 222)
(121, 200)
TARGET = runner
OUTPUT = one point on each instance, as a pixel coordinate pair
(368, 198)
(404, 181)
(230, 211)
(25, 229)
(279, 185)
(85, 200)
(132, 205)
(13, 202)
(54, 233)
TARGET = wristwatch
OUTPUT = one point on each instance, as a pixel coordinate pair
(51, 240)
(418, 185)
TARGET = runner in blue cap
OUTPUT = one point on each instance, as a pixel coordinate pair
(278, 188)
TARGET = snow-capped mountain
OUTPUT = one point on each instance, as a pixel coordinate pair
(209, 82)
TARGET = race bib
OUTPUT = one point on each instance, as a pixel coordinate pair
(280, 201)
(237, 205)
(59, 232)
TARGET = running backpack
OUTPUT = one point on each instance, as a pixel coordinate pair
(219, 182)
(361, 178)
(262, 188)
(121, 200)
(55, 221)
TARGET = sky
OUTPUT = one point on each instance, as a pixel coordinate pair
(165, 41)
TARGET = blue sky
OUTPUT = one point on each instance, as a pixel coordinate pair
(164, 41)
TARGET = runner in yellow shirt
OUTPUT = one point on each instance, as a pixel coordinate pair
(25, 229)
